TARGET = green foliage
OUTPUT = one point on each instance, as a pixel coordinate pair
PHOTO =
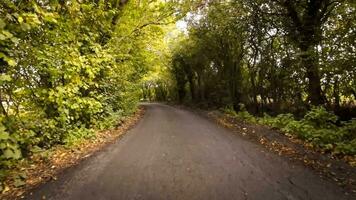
(245, 115)
(319, 117)
(68, 68)
(347, 133)
(236, 52)
(10, 151)
(229, 110)
(76, 135)
(112, 119)
(8, 146)
(280, 121)
(317, 127)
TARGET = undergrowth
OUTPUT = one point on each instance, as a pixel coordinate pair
(318, 127)
(18, 148)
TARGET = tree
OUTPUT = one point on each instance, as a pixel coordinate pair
(304, 22)
(69, 67)
(275, 56)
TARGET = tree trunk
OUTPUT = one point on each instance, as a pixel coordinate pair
(192, 88)
(200, 88)
(336, 93)
(254, 92)
(306, 19)
(310, 63)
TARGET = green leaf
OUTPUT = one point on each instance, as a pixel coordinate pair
(12, 153)
(20, 19)
(7, 34)
(36, 149)
(10, 62)
(2, 37)
(4, 136)
(14, 40)
(25, 27)
(8, 153)
(2, 24)
(5, 77)
(18, 182)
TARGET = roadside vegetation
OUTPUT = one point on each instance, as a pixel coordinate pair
(71, 68)
(291, 64)
(318, 127)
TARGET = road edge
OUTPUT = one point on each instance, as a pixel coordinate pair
(43, 168)
(327, 167)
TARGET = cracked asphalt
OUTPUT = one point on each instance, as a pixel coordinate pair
(176, 154)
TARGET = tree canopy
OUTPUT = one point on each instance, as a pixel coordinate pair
(69, 67)
(277, 55)
(294, 59)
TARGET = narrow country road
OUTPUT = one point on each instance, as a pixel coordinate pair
(176, 154)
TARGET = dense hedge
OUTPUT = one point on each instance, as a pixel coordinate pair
(68, 68)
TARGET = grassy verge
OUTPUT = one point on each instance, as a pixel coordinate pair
(44, 165)
(319, 128)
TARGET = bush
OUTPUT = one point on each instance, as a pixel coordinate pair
(242, 115)
(109, 121)
(317, 127)
(302, 130)
(229, 110)
(282, 120)
(246, 116)
(76, 135)
(348, 148)
(8, 146)
(319, 117)
(9, 151)
(348, 130)
(267, 120)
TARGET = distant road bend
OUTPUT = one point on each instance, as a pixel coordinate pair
(176, 154)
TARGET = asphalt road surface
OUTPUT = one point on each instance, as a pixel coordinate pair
(176, 154)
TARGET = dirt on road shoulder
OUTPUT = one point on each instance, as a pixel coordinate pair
(326, 165)
(41, 168)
